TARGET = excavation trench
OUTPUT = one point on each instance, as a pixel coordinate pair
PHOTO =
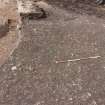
(8, 40)
(11, 10)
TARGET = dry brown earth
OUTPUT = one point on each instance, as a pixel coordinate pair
(7, 42)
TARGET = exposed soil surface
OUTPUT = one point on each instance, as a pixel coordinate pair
(7, 42)
(9, 10)
(60, 59)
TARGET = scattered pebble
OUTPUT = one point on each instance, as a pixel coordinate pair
(13, 68)
(85, 96)
(70, 99)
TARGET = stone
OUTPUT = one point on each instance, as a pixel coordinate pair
(30, 9)
(100, 2)
(13, 68)
(46, 7)
(4, 26)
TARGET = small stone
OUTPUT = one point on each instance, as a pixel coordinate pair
(93, 103)
(13, 68)
(89, 94)
(46, 7)
(57, 100)
(70, 99)
(85, 96)
(38, 103)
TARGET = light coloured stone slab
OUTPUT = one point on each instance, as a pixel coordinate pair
(28, 7)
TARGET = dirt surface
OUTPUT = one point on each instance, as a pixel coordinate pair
(8, 42)
(8, 9)
(59, 61)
